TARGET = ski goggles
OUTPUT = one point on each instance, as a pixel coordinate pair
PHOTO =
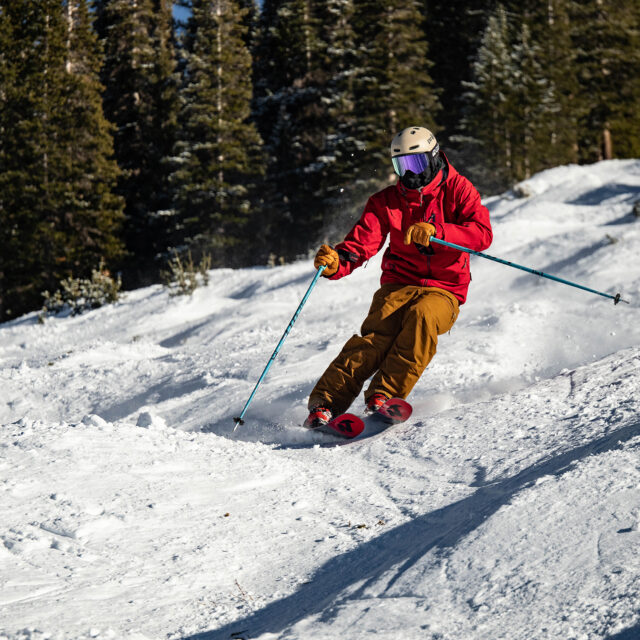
(416, 162)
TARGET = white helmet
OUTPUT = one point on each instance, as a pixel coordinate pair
(415, 156)
(414, 140)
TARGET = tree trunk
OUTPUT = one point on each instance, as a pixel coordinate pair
(219, 89)
(70, 7)
(607, 146)
(527, 145)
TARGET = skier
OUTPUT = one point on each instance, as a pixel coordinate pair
(422, 285)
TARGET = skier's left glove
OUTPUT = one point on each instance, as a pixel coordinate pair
(329, 258)
(420, 233)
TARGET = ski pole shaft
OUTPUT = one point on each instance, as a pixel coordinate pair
(535, 272)
(239, 419)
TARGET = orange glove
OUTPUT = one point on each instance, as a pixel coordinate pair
(328, 257)
(420, 233)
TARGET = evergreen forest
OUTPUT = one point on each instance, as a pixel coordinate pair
(250, 133)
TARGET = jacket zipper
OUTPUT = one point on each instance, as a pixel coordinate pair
(431, 220)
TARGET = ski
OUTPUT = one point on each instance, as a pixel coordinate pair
(348, 425)
(394, 411)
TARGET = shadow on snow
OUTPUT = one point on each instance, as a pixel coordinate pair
(600, 194)
(402, 547)
(632, 633)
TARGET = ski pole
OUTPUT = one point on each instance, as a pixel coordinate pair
(535, 272)
(239, 419)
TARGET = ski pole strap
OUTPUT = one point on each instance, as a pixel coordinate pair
(535, 272)
(239, 420)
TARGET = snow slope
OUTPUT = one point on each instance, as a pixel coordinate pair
(507, 507)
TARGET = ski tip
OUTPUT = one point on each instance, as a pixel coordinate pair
(395, 410)
(347, 425)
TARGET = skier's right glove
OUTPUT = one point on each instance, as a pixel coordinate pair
(329, 258)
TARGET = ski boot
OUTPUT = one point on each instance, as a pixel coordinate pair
(318, 417)
(374, 403)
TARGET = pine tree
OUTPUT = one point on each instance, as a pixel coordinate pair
(218, 152)
(305, 111)
(91, 211)
(488, 121)
(141, 99)
(250, 22)
(392, 85)
(19, 156)
(335, 80)
(535, 105)
(338, 199)
(606, 37)
(550, 28)
(453, 29)
(519, 116)
(58, 213)
(292, 120)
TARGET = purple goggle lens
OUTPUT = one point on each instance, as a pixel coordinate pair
(416, 162)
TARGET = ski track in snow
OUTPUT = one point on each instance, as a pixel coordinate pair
(508, 506)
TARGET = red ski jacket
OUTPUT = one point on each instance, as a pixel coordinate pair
(451, 203)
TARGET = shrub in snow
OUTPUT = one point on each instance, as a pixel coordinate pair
(93, 420)
(148, 420)
(275, 260)
(183, 277)
(522, 190)
(77, 295)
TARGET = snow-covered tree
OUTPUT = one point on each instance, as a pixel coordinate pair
(141, 99)
(392, 85)
(453, 29)
(304, 109)
(58, 213)
(550, 27)
(518, 117)
(606, 35)
(488, 122)
(337, 195)
(217, 156)
(534, 103)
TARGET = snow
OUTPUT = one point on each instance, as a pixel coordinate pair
(507, 507)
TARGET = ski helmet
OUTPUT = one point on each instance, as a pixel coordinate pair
(415, 156)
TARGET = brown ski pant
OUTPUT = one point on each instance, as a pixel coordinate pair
(399, 339)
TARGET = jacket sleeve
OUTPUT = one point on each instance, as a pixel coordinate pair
(365, 239)
(472, 228)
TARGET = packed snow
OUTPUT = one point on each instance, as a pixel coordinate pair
(507, 507)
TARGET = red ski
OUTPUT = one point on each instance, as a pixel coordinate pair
(346, 425)
(394, 411)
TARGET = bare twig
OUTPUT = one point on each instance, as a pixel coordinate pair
(245, 596)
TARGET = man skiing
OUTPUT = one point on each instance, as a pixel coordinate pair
(422, 285)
